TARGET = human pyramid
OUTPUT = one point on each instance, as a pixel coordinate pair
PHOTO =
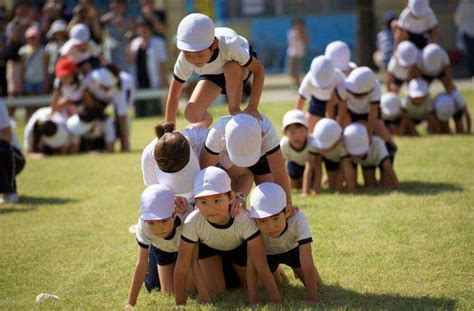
(195, 226)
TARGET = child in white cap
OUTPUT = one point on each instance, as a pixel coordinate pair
(417, 23)
(287, 239)
(340, 55)
(159, 227)
(223, 59)
(320, 86)
(220, 238)
(445, 109)
(246, 146)
(172, 158)
(327, 146)
(369, 155)
(295, 147)
(417, 107)
(390, 105)
(401, 67)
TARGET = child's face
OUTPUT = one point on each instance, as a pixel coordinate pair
(34, 41)
(273, 225)
(296, 134)
(161, 228)
(215, 208)
(67, 79)
(200, 58)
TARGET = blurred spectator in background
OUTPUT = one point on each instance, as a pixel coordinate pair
(297, 42)
(3, 60)
(32, 56)
(85, 13)
(20, 22)
(117, 30)
(147, 56)
(53, 10)
(464, 19)
(57, 36)
(385, 41)
(156, 17)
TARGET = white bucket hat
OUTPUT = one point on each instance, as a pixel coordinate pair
(418, 8)
(79, 34)
(294, 116)
(156, 202)
(360, 80)
(432, 56)
(267, 199)
(326, 133)
(339, 53)
(407, 53)
(57, 26)
(323, 72)
(76, 126)
(210, 181)
(196, 32)
(444, 107)
(418, 88)
(356, 139)
(390, 105)
(59, 139)
(243, 139)
(104, 77)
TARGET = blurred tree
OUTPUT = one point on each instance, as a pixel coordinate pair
(365, 46)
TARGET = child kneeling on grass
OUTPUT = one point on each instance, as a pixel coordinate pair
(221, 238)
(370, 154)
(287, 239)
(327, 146)
(159, 227)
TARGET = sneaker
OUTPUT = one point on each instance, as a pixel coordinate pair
(11, 198)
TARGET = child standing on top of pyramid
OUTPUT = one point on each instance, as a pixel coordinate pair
(224, 61)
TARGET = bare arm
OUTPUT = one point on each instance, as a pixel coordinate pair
(280, 176)
(308, 176)
(467, 116)
(141, 269)
(390, 173)
(447, 80)
(172, 101)
(300, 103)
(373, 112)
(349, 174)
(203, 293)
(399, 36)
(208, 159)
(123, 130)
(252, 281)
(181, 270)
(434, 34)
(309, 271)
(258, 71)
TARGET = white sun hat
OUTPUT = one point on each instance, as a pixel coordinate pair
(79, 34)
(432, 56)
(196, 32)
(210, 181)
(243, 139)
(58, 139)
(407, 53)
(156, 202)
(444, 107)
(326, 133)
(339, 53)
(418, 8)
(267, 199)
(356, 139)
(104, 77)
(76, 126)
(360, 80)
(58, 25)
(323, 72)
(418, 88)
(294, 116)
(390, 105)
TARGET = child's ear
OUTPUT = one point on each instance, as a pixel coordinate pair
(232, 196)
(287, 212)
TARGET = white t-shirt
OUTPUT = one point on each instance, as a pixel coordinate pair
(417, 112)
(296, 233)
(43, 114)
(415, 25)
(181, 182)
(232, 47)
(128, 88)
(308, 89)
(73, 93)
(69, 49)
(6, 122)
(155, 55)
(216, 144)
(335, 155)
(226, 237)
(361, 106)
(398, 71)
(34, 63)
(432, 70)
(296, 46)
(293, 155)
(376, 154)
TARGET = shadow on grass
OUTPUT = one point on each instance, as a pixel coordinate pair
(416, 187)
(32, 204)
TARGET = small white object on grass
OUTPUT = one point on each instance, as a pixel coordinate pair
(46, 297)
(132, 229)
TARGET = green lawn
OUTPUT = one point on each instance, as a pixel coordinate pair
(410, 249)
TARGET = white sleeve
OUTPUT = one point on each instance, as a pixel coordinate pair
(182, 69)
(142, 235)
(302, 231)
(28, 134)
(159, 47)
(196, 136)
(380, 150)
(445, 59)
(120, 103)
(248, 227)
(148, 166)
(432, 21)
(189, 233)
(305, 89)
(238, 50)
(4, 117)
(402, 20)
(285, 148)
(376, 93)
(270, 140)
(215, 141)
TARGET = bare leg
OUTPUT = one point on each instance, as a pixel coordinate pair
(213, 274)
(312, 120)
(166, 274)
(203, 96)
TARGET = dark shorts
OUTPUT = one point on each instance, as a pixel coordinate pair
(362, 117)
(397, 82)
(458, 115)
(331, 166)
(420, 40)
(317, 107)
(391, 154)
(295, 170)
(164, 258)
(96, 144)
(237, 256)
(416, 121)
(430, 79)
(290, 258)
(389, 123)
(261, 167)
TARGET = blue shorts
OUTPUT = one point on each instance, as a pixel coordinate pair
(317, 107)
(33, 88)
(164, 258)
(295, 170)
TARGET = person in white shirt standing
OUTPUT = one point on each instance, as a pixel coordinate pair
(296, 51)
(464, 18)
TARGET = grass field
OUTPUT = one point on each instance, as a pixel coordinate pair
(410, 249)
